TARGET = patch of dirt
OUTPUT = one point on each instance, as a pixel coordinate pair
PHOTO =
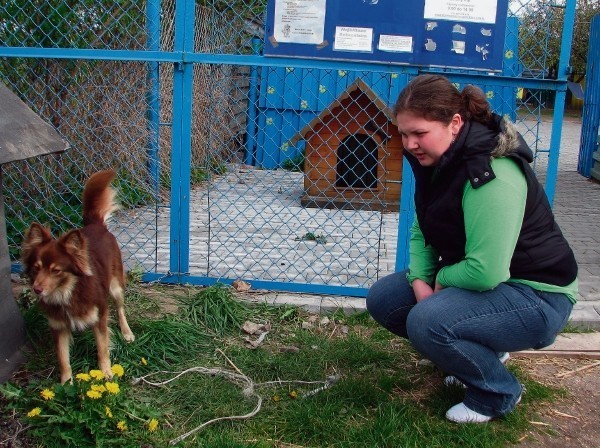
(572, 421)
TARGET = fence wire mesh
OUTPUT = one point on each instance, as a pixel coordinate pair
(296, 173)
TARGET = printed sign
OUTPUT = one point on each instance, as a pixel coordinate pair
(299, 21)
(480, 11)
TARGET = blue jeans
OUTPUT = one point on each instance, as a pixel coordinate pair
(462, 331)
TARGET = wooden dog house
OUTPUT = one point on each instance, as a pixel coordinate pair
(353, 154)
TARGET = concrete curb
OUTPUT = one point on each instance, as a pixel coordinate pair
(585, 314)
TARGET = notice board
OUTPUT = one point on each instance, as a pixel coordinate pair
(466, 34)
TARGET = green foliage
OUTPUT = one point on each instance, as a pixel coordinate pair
(540, 34)
(214, 308)
(90, 412)
(216, 166)
(310, 236)
(569, 328)
(294, 163)
(253, 8)
(132, 192)
(379, 395)
(199, 175)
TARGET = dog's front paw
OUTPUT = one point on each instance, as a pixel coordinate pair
(108, 373)
(66, 377)
(129, 337)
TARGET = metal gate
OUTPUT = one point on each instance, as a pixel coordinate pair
(589, 163)
(209, 137)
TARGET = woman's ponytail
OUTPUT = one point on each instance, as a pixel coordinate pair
(475, 105)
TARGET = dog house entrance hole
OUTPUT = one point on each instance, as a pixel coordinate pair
(357, 162)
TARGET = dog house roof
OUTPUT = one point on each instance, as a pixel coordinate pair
(338, 102)
(23, 133)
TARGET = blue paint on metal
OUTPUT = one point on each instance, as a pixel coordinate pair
(393, 18)
(181, 140)
(591, 104)
(559, 102)
(253, 86)
(257, 284)
(326, 79)
(153, 95)
(407, 214)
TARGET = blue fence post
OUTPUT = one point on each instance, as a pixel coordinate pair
(591, 102)
(407, 215)
(181, 139)
(252, 107)
(559, 102)
(153, 113)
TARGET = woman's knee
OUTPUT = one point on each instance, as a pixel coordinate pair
(375, 301)
(424, 324)
(386, 294)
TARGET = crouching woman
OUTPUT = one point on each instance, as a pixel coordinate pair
(490, 271)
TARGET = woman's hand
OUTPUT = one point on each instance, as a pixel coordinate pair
(421, 289)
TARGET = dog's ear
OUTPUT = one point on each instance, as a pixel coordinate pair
(76, 246)
(36, 235)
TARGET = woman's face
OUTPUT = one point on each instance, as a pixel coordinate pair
(427, 140)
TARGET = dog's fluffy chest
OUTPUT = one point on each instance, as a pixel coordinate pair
(75, 320)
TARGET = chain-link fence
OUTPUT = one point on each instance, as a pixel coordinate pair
(287, 173)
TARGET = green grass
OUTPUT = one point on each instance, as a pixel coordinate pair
(382, 397)
(569, 328)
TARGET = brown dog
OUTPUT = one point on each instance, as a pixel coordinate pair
(74, 274)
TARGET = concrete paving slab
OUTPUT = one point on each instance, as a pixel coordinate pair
(569, 345)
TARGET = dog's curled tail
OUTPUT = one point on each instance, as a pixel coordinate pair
(99, 198)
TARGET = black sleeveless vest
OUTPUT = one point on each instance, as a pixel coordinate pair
(542, 253)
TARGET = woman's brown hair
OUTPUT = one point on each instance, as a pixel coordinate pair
(435, 98)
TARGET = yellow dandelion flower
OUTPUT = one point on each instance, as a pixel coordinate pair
(112, 388)
(34, 412)
(117, 369)
(152, 425)
(94, 394)
(121, 425)
(97, 374)
(107, 411)
(98, 388)
(276, 398)
(83, 377)
(294, 394)
(47, 394)
(144, 361)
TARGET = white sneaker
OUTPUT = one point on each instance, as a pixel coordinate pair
(451, 380)
(459, 413)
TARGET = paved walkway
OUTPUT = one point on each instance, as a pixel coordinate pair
(577, 209)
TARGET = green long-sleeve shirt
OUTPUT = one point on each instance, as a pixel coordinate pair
(493, 215)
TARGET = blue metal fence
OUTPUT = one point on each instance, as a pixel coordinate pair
(197, 122)
(591, 105)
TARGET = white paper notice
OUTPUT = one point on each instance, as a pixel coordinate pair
(396, 44)
(481, 11)
(299, 21)
(350, 38)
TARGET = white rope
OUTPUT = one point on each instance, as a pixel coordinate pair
(238, 378)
